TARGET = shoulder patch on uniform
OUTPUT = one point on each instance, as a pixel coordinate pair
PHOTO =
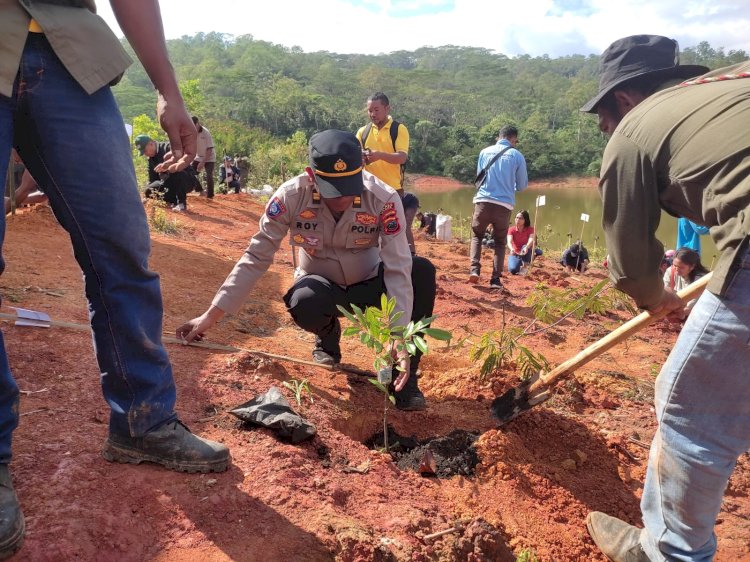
(389, 219)
(365, 218)
(275, 208)
(308, 214)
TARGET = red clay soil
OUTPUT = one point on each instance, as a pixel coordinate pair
(330, 498)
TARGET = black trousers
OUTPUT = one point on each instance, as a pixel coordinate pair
(209, 167)
(170, 191)
(312, 299)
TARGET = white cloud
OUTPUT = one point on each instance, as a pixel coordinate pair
(512, 28)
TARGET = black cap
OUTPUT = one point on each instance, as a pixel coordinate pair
(336, 160)
(410, 201)
(640, 55)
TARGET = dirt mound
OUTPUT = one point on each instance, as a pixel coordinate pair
(330, 498)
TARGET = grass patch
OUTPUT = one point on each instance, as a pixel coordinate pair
(160, 221)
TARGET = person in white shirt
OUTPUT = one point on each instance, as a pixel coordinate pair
(205, 157)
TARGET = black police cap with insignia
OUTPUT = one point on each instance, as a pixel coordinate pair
(336, 160)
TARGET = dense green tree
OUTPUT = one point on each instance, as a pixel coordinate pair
(262, 100)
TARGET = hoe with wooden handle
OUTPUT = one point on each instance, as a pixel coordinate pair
(537, 390)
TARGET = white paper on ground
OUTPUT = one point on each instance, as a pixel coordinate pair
(32, 318)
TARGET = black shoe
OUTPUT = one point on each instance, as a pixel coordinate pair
(12, 524)
(410, 398)
(322, 357)
(495, 284)
(618, 541)
(327, 350)
(173, 446)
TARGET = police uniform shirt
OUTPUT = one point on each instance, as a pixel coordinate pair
(345, 252)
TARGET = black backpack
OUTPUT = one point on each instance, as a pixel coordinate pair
(394, 135)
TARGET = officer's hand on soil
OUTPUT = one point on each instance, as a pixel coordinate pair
(195, 329)
(178, 125)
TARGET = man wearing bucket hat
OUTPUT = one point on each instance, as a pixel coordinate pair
(350, 233)
(680, 144)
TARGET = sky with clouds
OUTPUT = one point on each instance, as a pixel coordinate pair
(533, 27)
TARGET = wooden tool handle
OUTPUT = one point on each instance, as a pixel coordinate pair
(630, 327)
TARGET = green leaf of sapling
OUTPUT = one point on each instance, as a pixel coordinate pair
(420, 343)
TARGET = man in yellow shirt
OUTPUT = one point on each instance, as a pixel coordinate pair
(385, 147)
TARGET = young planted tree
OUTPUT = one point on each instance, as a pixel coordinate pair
(495, 349)
(377, 329)
(550, 304)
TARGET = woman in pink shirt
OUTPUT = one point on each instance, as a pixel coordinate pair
(521, 242)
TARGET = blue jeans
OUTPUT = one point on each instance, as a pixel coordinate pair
(703, 409)
(515, 262)
(76, 147)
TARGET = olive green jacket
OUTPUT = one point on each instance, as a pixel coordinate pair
(686, 150)
(81, 40)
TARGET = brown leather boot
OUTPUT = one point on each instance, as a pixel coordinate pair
(618, 541)
(171, 445)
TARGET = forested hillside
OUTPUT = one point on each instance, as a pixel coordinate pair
(264, 100)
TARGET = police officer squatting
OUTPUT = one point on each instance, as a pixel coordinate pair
(348, 230)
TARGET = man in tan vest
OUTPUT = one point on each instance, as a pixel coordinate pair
(56, 64)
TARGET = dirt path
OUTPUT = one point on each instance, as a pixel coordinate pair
(537, 478)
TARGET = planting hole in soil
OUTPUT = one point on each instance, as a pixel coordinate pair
(450, 455)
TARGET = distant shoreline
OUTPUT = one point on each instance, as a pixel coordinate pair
(439, 184)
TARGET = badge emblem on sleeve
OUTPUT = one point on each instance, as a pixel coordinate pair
(275, 208)
(389, 219)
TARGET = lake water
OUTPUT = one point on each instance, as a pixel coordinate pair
(559, 217)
